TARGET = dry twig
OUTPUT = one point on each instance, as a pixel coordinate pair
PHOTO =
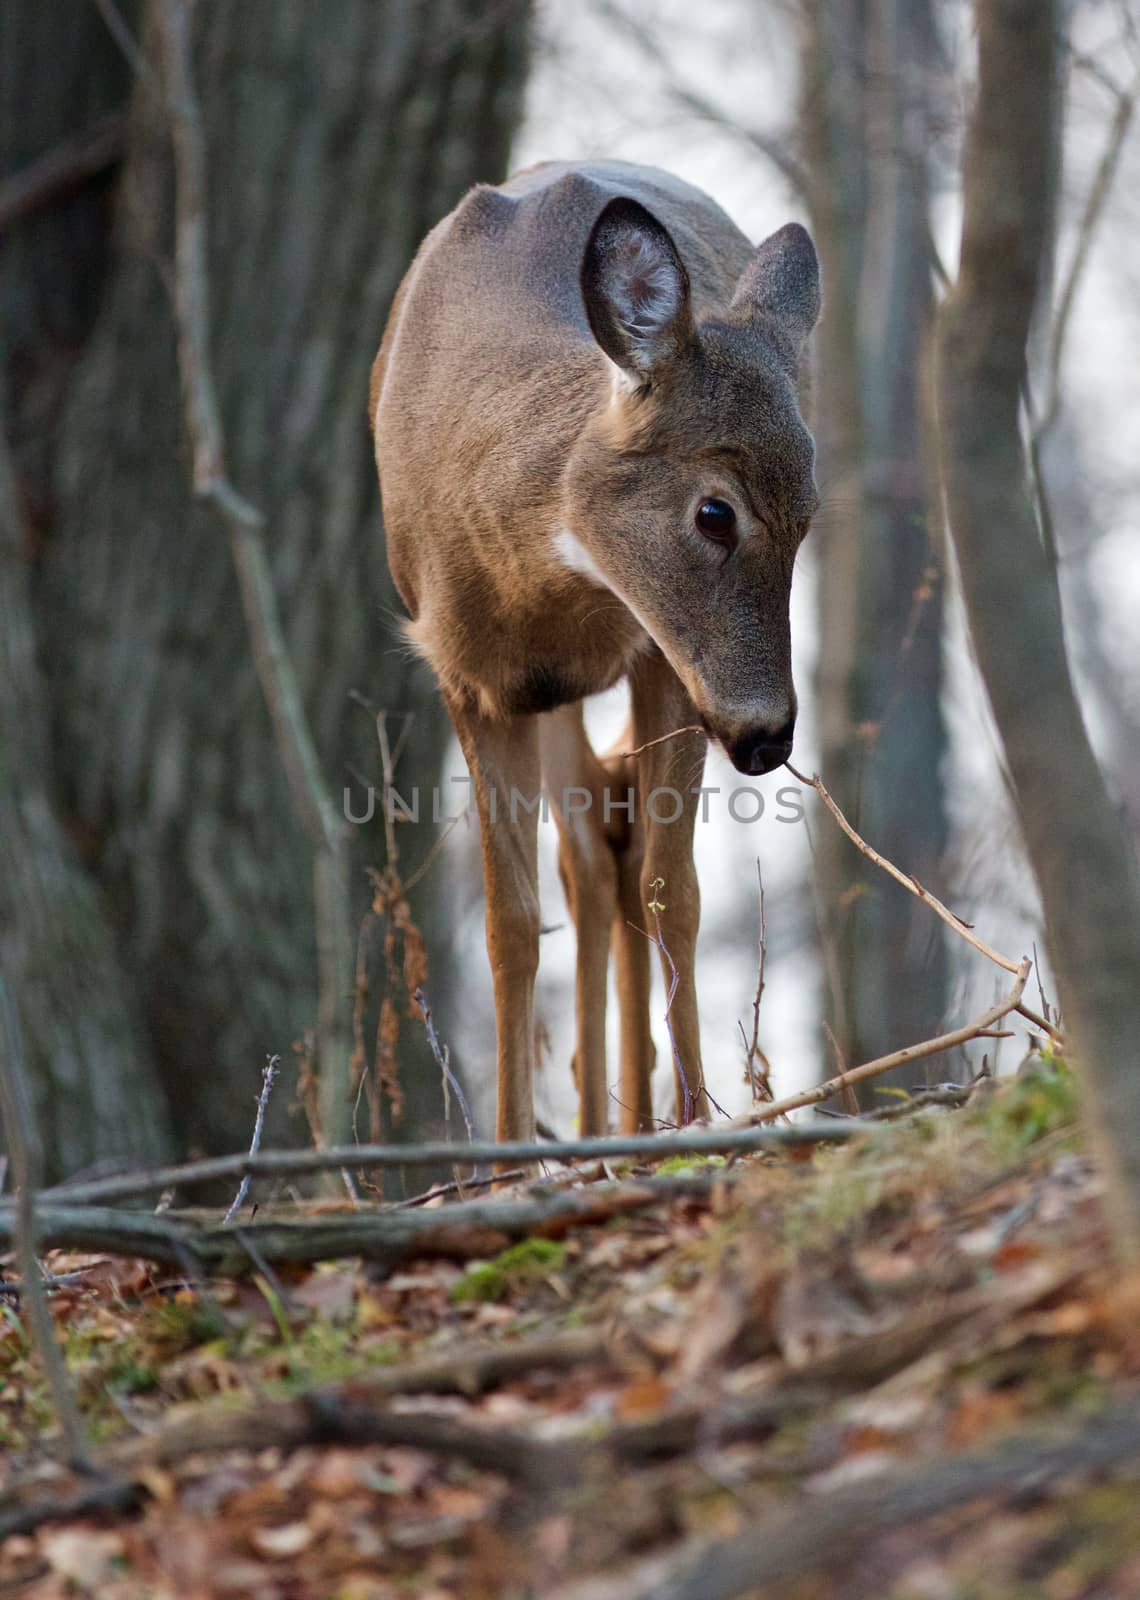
(442, 1061)
(299, 1163)
(26, 1154)
(912, 885)
(675, 733)
(898, 1058)
(268, 1078)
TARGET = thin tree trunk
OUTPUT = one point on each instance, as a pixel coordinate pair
(1084, 864)
(868, 66)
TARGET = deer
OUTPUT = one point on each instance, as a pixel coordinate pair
(588, 410)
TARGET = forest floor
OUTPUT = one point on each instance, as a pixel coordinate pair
(900, 1368)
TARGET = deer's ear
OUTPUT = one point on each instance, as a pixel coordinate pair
(782, 282)
(636, 290)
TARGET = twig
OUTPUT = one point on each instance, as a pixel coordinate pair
(761, 1081)
(311, 798)
(443, 1063)
(268, 1079)
(658, 939)
(850, 1100)
(469, 1186)
(299, 1163)
(26, 1154)
(912, 885)
(899, 1058)
(623, 755)
(1085, 233)
(119, 29)
(774, 148)
(61, 169)
(908, 880)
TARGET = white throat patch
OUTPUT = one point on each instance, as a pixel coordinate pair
(573, 554)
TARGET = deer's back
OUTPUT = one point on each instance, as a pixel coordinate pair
(488, 372)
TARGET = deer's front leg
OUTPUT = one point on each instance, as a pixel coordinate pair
(502, 758)
(669, 773)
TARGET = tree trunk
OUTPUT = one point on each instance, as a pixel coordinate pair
(88, 1060)
(337, 135)
(1085, 866)
(867, 66)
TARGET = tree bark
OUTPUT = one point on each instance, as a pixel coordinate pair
(1085, 866)
(337, 135)
(867, 69)
(87, 1057)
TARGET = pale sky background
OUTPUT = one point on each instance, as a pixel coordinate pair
(596, 92)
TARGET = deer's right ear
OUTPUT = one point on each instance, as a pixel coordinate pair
(636, 290)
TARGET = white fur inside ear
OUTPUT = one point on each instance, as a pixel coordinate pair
(647, 292)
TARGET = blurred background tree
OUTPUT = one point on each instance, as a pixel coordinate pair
(155, 887)
(871, 76)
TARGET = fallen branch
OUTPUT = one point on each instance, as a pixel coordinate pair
(899, 1058)
(298, 1163)
(842, 1524)
(912, 885)
(358, 1412)
(388, 1236)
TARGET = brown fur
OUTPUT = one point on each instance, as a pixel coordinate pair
(501, 431)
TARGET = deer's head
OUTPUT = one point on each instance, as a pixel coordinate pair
(690, 491)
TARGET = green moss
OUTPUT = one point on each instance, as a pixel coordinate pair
(527, 1262)
(128, 1375)
(688, 1166)
(1032, 1105)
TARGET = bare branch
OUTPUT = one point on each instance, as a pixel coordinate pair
(450, 1081)
(1086, 230)
(268, 1078)
(900, 1058)
(299, 1163)
(61, 169)
(774, 147)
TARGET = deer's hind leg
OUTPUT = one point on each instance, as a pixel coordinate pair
(625, 834)
(575, 782)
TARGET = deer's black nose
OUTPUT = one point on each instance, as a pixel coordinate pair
(761, 750)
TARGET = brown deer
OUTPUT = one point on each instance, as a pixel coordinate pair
(593, 466)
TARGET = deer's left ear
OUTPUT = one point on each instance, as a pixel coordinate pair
(781, 282)
(636, 290)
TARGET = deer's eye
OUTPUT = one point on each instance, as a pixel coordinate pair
(716, 520)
